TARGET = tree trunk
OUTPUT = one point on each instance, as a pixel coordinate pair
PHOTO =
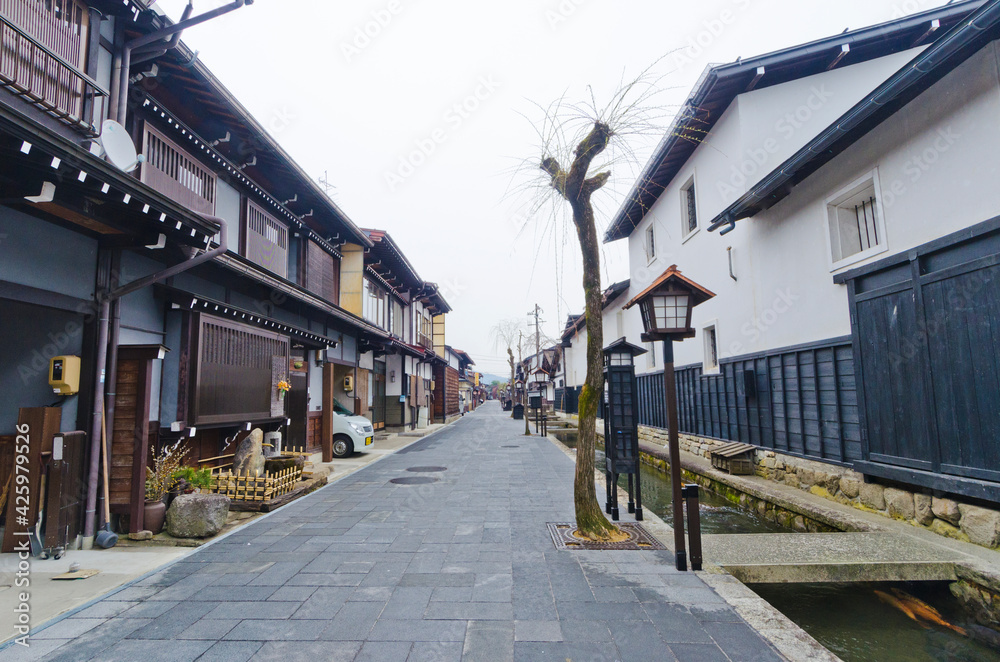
(577, 189)
(590, 519)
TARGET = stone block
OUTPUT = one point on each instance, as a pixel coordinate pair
(945, 529)
(899, 503)
(872, 495)
(829, 481)
(946, 509)
(981, 525)
(141, 535)
(851, 488)
(922, 507)
(792, 480)
(807, 477)
(197, 515)
(249, 457)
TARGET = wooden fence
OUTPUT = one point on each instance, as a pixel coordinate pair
(246, 487)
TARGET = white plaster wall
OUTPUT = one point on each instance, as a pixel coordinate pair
(394, 363)
(935, 161)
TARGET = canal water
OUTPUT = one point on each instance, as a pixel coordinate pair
(849, 619)
(852, 621)
(717, 514)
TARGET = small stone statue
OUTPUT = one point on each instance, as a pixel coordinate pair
(250, 455)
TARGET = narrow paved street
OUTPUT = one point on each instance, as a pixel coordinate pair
(461, 568)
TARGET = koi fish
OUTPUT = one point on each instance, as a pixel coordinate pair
(898, 604)
(925, 611)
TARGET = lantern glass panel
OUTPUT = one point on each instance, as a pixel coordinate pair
(670, 311)
(621, 359)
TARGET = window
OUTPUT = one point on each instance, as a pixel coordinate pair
(266, 240)
(650, 243)
(855, 219)
(711, 364)
(375, 305)
(689, 208)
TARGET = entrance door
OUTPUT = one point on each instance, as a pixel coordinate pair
(298, 399)
(378, 395)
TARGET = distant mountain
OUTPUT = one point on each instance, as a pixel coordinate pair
(490, 378)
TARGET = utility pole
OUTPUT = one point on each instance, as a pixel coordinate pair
(538, 336)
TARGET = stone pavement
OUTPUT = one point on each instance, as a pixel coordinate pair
(461, 568)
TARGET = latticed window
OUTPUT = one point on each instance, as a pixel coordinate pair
(266, 240)
(689, 207)
(236, 371)
(855, 225)
(175, 173)
(42, 53)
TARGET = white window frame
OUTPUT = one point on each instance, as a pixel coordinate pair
(706, 369)
(649, 240)
(686, 232)
(845, 192)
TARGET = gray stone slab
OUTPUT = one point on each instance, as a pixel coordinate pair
(536, 630)
(231, 651)
(306, 651)
(418, 630)
(153, 651)
(487, 641)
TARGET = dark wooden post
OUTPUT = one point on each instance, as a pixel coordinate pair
(670, 389)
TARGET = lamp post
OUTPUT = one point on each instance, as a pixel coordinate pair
(621, 426)
(666, 315)
(539, 377)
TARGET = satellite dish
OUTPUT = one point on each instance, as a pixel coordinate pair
(117, 145)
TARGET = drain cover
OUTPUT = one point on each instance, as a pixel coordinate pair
(638, 538)
(413, 480)
(427, 469)
(510, 447)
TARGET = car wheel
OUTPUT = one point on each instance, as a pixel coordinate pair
(342, 446)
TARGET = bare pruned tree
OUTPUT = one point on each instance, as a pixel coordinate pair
(507, 334)
(581, 143)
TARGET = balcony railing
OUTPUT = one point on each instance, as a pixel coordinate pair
(45, 79)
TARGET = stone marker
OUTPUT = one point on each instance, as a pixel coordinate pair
(197, 515)
(249, 456)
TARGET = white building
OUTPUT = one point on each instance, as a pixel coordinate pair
(864, 273)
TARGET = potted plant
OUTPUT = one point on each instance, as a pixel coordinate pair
(159, 481)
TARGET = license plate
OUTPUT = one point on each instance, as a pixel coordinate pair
(369, 440)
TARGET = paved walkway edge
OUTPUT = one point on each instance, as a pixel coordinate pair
(780, 631)
(61, 617)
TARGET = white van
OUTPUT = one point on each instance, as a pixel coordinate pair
(350, 431)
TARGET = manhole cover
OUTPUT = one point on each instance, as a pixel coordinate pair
(427, 469)
(638, 538)
(413, 480)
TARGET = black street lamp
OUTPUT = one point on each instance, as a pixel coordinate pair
(539, 378)
(621, 426)
(666, 315)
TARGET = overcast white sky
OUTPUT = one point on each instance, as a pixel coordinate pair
(354, 106)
